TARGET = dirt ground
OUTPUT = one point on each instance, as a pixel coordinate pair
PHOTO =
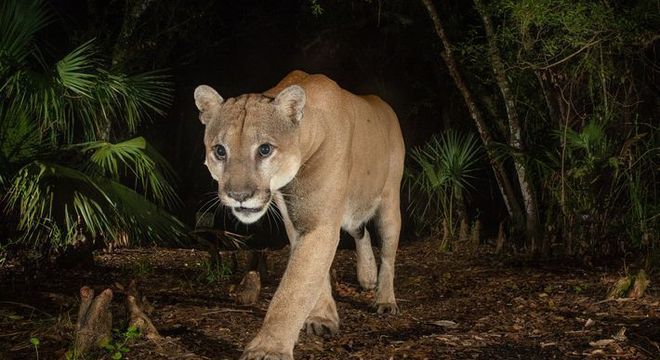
(453, 306)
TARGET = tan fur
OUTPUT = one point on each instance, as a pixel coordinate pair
(336, 163)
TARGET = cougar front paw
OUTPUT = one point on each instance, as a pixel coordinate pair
(267, 348)
(264, 355)
(387, 308)
(321, 326)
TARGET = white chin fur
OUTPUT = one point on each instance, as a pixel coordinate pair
(249, 217)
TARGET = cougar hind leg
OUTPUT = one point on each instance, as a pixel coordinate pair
(389, 227)
(367, 270)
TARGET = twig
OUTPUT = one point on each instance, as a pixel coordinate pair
(586, 46)
(25, 306)
(644, 350)
(14, 333)
(223, 310)
(610, 300)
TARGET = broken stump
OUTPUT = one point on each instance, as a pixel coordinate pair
(248, 290)
(94, 324)
(138, 309)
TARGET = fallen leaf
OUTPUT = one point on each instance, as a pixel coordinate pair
(601, 343)
(445, 323)
(621, 335)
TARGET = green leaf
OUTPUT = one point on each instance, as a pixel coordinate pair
(34, 341)
(19, 22)
(138, 160)
(75, 72)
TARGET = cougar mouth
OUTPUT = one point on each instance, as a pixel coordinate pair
(248, 210)
(249, 215)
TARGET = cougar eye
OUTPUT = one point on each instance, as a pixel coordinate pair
(220, 152)
(265, 149)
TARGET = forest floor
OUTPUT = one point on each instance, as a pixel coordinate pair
(453, 306)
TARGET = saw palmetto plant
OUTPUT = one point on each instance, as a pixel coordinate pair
(442, 171)
(62, 173)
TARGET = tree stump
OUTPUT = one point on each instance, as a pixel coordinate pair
(94, 324)
(475, 236)
(642, 281)
(501, 239)
(463, 236)
(247, 292)
(138, 307)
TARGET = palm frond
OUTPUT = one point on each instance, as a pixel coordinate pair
(19, 22)
(142, 218)
(55, 190)
(19, 141)
(448, 160)
(47, 193)
(54, 199)
(442, 170)
(129, 100)
(134, 158)
(75, 72)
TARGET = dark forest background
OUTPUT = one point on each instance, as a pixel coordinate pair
(240, 47)
(566, 91)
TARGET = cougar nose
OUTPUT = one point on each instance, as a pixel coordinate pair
(240, 195)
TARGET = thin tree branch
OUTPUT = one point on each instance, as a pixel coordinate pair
(501, 177)
(585, 47)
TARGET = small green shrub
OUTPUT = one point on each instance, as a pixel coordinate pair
(214, 271)
(35, 343)
(440, 174)
(118, 346)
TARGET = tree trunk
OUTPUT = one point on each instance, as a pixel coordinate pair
(133, 11)
(515, 134)
(503, 182)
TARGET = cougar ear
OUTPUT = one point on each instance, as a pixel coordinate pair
(205, 99)
(291, 102)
